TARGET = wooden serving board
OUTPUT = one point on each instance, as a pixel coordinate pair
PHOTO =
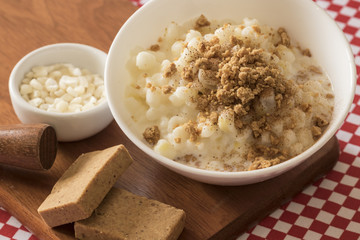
(213, 212)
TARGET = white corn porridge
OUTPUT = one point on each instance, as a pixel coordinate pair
(227, 96)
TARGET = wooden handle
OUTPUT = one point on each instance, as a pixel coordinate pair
(31, 146)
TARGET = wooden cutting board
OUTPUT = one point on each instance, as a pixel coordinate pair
(213, 212)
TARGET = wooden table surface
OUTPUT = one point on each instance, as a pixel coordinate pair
(213, 211)
(29, 24)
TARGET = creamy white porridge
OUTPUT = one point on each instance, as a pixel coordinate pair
(228, 97)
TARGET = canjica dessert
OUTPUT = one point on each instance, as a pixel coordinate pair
(228, 97)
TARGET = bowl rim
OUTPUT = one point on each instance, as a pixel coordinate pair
(176, 166)
(14, 87)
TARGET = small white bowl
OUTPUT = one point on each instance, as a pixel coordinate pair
(305, 22)
(68, 126)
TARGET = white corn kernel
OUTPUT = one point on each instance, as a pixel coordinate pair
(226, 121)
(26, 97)
(55, 75)
(77, 100)
(29, 75)
(26, 80)
(59, 92)
(76, 72)
(91, 89)
(36, 84)
(62, 88)
(49, 100)
(145, 60)
(99, 92)
(92, 99)
(39, 71)
(98, 81)
(84, 81)
(51, 85)
(88, 106)
(71, 91)
(66, 81)
(67, 97)
(79, 90)
(62, 106)
(52, 109)
(86, 96)
(74, 107)
(36, 102)
(42, 80)
(44, 94)
(44, 106)
(26, 89)
(35, 94)
(165, 148)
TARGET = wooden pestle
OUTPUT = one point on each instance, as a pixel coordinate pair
(30, 146)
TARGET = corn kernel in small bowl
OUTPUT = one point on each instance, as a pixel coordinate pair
(62, 85)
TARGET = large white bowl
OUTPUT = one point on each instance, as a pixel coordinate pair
(303, 20)
(68, 126)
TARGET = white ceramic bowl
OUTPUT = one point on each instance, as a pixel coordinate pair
(68, 126)
(303, 20)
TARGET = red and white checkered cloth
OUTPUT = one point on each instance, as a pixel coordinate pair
(11, 228)
(328, 209)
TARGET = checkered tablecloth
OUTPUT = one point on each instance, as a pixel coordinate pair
(328, 209)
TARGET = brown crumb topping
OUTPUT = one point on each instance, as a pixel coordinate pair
(330, 95)
(191, 128)
(257, 29)
(170, 70)
(190, 158)
(167, 89)
(260, 163)
(186, 74)
(305, 107)
(152, 135)
(155, 47)
(239, 79)
(316, 131)
(319, 126)
(315, 69)
(201, 22)
(236, 77)
(320, 121)
(213, 117)
(285, 39)
(264, 156)
(306, 52)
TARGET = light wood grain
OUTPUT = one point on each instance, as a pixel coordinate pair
(213, 212)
